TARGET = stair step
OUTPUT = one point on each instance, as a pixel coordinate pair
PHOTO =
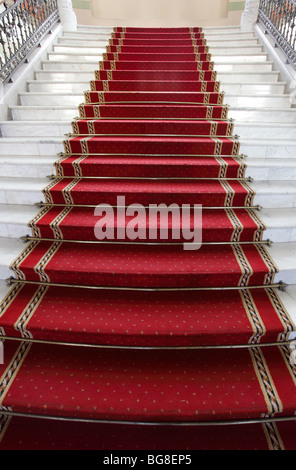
(227, 77)
(42, 98)
(224, 42)
(231, 88)
(54, 145)
(24, 191)
(267, 115)
(72, 65)
(280, 223)
(14, 221)
(35, 128)
(257, 130)
(27, 166)
(274, 194)
(215, 50)
(145, 266)
(44, 113)
(221, 58)
(173, 387)
(272, 169)
(139, 319)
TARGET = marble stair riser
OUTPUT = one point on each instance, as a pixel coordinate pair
(76, 86)
(235, 43)
(72, 65)
(56, 128)
(71, 99)
(90, 56)
(214, 50)
(225, 78)
(45, 113)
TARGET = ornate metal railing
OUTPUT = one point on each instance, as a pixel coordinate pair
(22, 27)
(279, 19)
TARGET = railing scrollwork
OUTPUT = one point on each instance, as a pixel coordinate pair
(22, 27)
(279, 19)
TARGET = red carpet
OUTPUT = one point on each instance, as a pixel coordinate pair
(141, 330)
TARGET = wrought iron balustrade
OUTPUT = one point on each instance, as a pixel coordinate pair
(279, 19)
(22, 27)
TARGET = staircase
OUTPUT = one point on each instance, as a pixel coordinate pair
(264, 122)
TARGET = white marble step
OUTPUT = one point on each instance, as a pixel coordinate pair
(44, 113)
(80, 42)
(35, 128)
(258, 148)
(14, 220)
(70, 66)
(227, 66)
(214, 50)
(262, 130)
(248, 77)
(31, 146)
(266, 115)
(41, 166)
(275, 169)
(26, 166)
(74, 86)
(281, 224)
(246, 130)
(268, 149)
(90, 56)
(283, 254)
(274, 194)
(43, 98)
(227, 77)
(24, 191)
(269, 194)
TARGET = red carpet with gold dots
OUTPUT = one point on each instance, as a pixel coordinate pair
(139, 343)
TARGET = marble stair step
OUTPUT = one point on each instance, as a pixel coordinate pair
(265, 130)
(225, 78)
(281, 224)
(274, 194)
(14, 220)
(45, 113)
(269, 194)
(52, 145)
(248, 77)
(31, 146)
(235, 43)
(276, 169)
(22, 191)
(74, 99)
(90, 55)
(76, 86)
(246, 114)
(268, 149)
(72, 64)
(283, 254)
(249, 114)
(35, 128)
(245, 130)
(26, 166)
(214, 50)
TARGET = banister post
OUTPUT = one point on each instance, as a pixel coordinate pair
(67, 15)
(250, 15)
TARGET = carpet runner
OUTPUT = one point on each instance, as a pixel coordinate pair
(139, 330)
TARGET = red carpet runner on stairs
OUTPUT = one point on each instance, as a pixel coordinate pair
(123, 333)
